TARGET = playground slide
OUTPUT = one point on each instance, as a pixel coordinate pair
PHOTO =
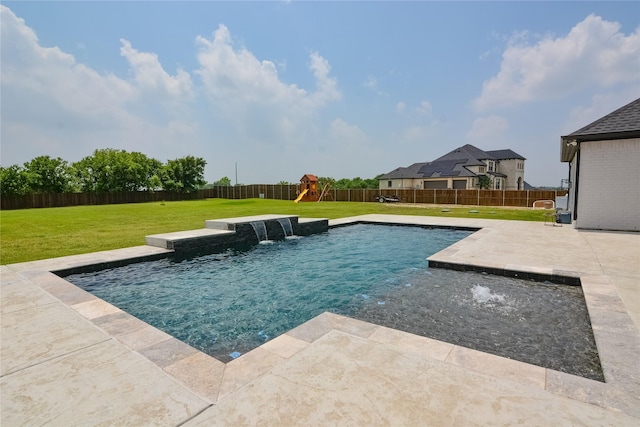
(301, 195)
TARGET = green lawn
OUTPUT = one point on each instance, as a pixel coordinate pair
(32, 234)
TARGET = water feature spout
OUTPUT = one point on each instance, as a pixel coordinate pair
(261, 230)
(286, 227)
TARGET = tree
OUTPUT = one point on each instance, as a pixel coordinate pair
(13, 181)
(48, 175)
(484, 182)
(118, 170)
(324, 180)
(225, 181)
(183, 175)
(355, 183)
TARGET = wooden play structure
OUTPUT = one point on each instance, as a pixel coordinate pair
(308, 189)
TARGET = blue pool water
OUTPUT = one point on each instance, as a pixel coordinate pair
(228, 303)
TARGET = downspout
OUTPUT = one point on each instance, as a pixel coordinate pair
(569, 186)
(575, 206)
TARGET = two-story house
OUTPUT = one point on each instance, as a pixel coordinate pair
(464, 168)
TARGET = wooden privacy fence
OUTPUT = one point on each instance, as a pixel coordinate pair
(524, 198)
(515, 198)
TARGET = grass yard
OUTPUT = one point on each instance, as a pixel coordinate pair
(32, 234)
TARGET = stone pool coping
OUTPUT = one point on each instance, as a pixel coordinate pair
(48, 321)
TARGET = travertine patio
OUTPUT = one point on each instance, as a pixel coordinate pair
(68, 358)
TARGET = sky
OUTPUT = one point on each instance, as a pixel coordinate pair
(269, 91)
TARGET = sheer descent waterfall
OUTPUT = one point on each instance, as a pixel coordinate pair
(261, 231)
(286, 227)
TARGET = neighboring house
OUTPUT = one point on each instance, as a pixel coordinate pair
(462, 168)
(604, 171)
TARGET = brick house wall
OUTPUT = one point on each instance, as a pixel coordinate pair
(609, 185)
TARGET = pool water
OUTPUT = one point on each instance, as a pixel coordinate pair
(225, 304)
(231, 302)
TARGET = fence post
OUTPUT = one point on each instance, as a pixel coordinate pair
(478, 197)
(502, 197)
(527, 198)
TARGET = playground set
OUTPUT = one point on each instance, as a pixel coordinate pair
(309, 187)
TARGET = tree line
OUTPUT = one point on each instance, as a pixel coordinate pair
(111, 170)
(107, 170)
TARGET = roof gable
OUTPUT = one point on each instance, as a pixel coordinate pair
(472, 154)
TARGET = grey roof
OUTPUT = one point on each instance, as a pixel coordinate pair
(623, 120)
(472, 154)
(621, 124)
(408, 172)
(446, 168)
(505, 154)
(452, 164)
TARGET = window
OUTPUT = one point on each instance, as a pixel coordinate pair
(498, 184)
(389, 184)
(481, 169)
(491, 166)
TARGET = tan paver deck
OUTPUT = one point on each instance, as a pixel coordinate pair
(68, 358)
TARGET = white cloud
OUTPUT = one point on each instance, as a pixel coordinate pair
(234, 79)
(488, 129)
(327, 87)
(371, 82)
(249, 94)
(148, 72)
(54, 105)
(400, 107)
(415, 133)
(594, 54)
(345, 134)
(35, 69)
(424, 107)
(238, 77)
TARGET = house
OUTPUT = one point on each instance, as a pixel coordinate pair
(604, 171)
(466, 167)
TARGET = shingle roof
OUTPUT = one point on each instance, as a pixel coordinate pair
(624, 119)
(446, 168)
(473, 155)
(408, 172)
(621, 124)
(452, 164)
(505, 154)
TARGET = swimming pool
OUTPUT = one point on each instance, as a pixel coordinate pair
(228, 303)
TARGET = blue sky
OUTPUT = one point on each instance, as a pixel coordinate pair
(338, 89)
